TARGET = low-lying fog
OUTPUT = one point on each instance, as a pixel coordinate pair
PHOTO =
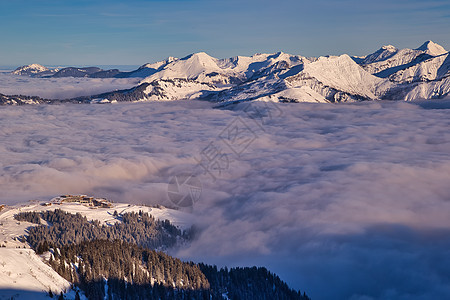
(348, 201)
(61, 88)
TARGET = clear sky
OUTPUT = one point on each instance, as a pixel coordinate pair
(89, 32)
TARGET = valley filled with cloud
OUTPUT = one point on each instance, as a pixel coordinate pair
(61, 88)
(347, 201)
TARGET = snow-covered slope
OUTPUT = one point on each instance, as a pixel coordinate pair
(157, 90)
(260, 65)
(343, 74)
(24, 275)
(430, 90)
(252, 90)
(175, 89)
(296, 95)
(436, 89)
(11, 231)
(381, 54)
(434, 68)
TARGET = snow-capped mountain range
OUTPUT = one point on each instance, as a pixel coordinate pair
(36, 70)
(388, 73)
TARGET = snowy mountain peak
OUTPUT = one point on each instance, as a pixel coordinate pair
(385, 52)
(158, 64)
(389, 48)
(171, 59)
(279, 54)
(201, 56)
(37, 67)
(199, 61)
(197, 66)
(432, 48)
(29, 69)
(343, 74)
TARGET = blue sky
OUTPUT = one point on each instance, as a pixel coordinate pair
(88, 32)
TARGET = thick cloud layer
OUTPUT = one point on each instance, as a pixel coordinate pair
(342, 201)
(61, 88)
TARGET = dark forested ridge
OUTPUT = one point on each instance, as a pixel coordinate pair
(122, 270)
(119, 261)
(249, 283)
(66, 228)
(21, 100)
(130, 271)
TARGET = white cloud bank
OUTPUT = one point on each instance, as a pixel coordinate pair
(342, 201)
(61, 88)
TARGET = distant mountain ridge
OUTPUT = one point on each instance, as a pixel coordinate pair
(36, 70)
(388, 73)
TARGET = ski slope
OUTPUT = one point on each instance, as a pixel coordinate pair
(23, 275)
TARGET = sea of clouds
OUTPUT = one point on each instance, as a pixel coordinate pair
(61, 88)
(348, 201)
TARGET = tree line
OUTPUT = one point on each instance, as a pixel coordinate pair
(66, 228)
(120, 270)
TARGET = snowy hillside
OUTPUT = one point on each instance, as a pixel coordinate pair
(26, 275)
(23, 274)
(174, 89)
(434, 68)
(338, 78)
(10, 230)
(381, 54)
